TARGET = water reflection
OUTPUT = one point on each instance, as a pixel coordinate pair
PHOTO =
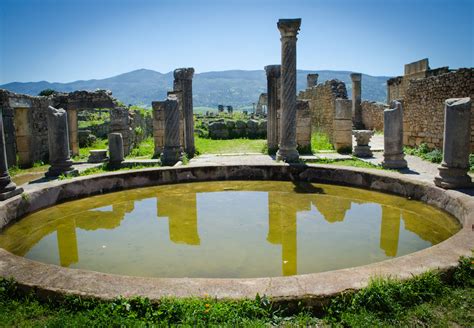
(314, 227)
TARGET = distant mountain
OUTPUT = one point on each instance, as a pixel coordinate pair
(236, 87)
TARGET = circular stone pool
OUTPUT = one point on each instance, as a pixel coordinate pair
(228, 229)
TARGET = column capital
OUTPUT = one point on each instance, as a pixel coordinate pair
(273, 71)
(184, 73)
(356, 77)
(289, 27)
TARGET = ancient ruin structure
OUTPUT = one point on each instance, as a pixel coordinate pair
(287, 144)
(342, 126)
(116, 153)
(393, 155)
(171, 154)
(362, 148)
(183, 83)
(457, 132)
(423, 92)
(312, 80)
(97, 156)
(273, 80)
(356, 100)
(261, 104)
(8, 189)
(58, 141)
(230, 109)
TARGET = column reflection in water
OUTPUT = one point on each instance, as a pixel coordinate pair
(390, 230)
(181, 212)
(89, 221)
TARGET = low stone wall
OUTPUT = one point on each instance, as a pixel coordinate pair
(322, 106)
(229, 129)
(132, 124)
(372, 115)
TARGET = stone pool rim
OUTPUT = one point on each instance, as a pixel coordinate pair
(313, 289)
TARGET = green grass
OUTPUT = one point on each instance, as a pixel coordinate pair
(429, 300)
(145, 149)
(84, 151)
(320, 141)
(354, 162)
(432, 155)
(210, 146)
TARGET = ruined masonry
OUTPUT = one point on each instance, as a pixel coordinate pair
(8, 189)
(393, 156)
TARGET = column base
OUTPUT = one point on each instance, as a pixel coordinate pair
(288, 155)
(362, 151)
(171, 156)
(9, 194)
(114, 165)
(57, 170)
(453, 178)
(394, 161)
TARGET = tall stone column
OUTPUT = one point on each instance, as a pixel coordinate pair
(58, 141)
(273, 78)
(356, 100)
(393, 155)
(312, 80)
(7, 187)
(183, 81)
(73, 134)
(456, 145)
(287, 147)
(171, 153)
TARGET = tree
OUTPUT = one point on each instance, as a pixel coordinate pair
(47, 92)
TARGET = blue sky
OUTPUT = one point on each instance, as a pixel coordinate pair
(69, 40)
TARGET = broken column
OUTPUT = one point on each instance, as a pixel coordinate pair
(342, 126)
(356, 101)
(116, 152)
(456, 145)
(171, 153)
(287, 144)
(8, 189)
(362, 148)
(183, 81)
(312, 80)
(273, 78)
(58, 141)
(393, 155)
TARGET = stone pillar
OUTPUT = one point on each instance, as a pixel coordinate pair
(342, 126)
(73, 134)
(393, 155)
(116, 152)
(456, 145)
(273, 78)
(158, 127)
(287, 147)
(23, 137)
(171, 153)
(183, 81)
(356, 101)
(58, 142)
(312, 80)
(7, 187)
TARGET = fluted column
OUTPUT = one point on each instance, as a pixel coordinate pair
(287, 147)
(273, 78)
(356, 100)
(58, 141)
(7, 187)
(171, 153)
(312, 80)
(183, 81)
(456, 145)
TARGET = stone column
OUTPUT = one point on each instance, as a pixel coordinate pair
(287, 147)
(7, 187)
(393, 155)
(58, 141)
(342, 126)
(73, 134)
(116, 151)
(356, 101)
(171, 153)
(362, 149)
(273, 78)
(183, 81)
(456, 145)
(312, 80)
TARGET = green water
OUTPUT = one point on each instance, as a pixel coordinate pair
(228, 229)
